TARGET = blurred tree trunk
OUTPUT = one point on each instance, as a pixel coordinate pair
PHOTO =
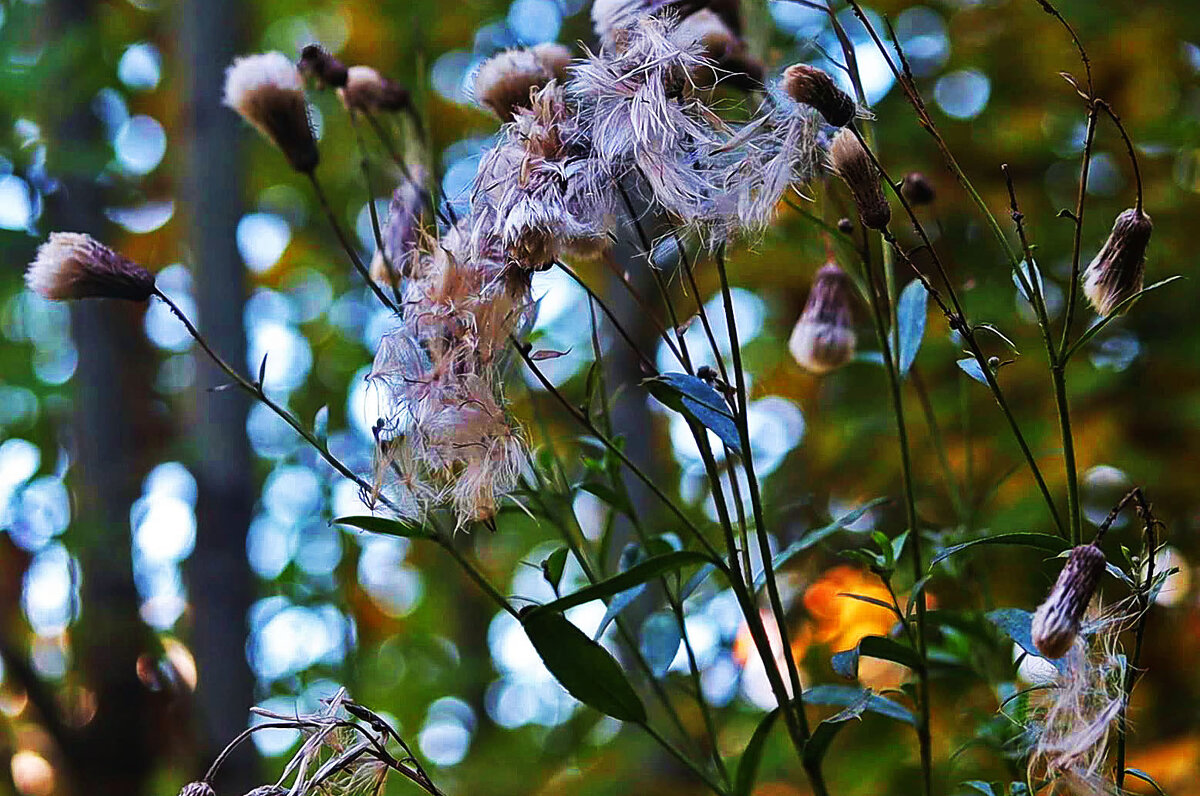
(113, 444)
(221, 585)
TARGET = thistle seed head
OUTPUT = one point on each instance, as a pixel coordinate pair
(850, 161)
(317, 63)
(72, 266)
(505, 81)
(267, 90)
(824, 338)
(1118, 270)
(1056, 621)
(917, 189)
(197, 789)
(367, 90)
(813, 87)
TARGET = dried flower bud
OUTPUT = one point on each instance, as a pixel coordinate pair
(851, 162)
(1117, 271)
(367, 90)
(316, 62)
(1056, 621)
(824, 336)
(268, 91)
(72, 266)
(197, 789)
(555, 58)
(506, 81)
(845, 226)
(814, 87)
(917, 190)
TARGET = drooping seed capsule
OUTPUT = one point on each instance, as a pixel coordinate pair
(368, 90)
(917, 189)
(71, 266)
(1056, 621)
(853, 164)
(316, 62)
(506, 81)
(267, 91)
(1117, 271)
(824, 338)
(811, 86)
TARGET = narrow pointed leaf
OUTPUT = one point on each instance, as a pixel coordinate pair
(970, 366)
(695, 399)
(583, 667)
(1041, 541)
(813, 537)
(846, 663)
(846, 695)
(634, 576)
(910, 321)
(660, 642)
(553, 566)
(747, 772)
(827, 730)
(409, 530)
(1099, 325)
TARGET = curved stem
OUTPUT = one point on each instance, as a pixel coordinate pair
(362, 269)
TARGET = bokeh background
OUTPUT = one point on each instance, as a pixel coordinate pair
(167, 558)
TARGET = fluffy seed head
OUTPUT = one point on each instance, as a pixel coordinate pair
(1117, 271)
(267, 90)
(197, 789)
(917, 189)
(1056, 621)
(72, 266)
(824, 338)
(367, 90)
(316, 62)
(505, 81)
(850, 161)
(721, 46)
(267, 790)
(814, 87)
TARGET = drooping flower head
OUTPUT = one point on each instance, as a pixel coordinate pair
(402, 229)
(71, 266)
(813, 87)
(505, 81)
(1057, 620)
(368, 90)
(317, 63)
(267, 90)
(824, 338)
(1118, 270)
(850, 161)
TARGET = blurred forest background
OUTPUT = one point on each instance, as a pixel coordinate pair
(167, 559)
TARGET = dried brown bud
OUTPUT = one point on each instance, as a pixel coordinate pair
(1056, 621)
(917, 190)
(73, 266)
(845, 226)
(197, 789)
(506, 81)
(853, 164)
(814, 87)
(1118, 270)
(316, 62)
(268, 92)
(824, 336)
(367, 90)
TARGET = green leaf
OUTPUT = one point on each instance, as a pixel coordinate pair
(583, 667)
(634, 576)
(1015, 624)
(1144, 777)
(910, 321)
(827, 730)
(846, 663)
(747, 771)
(695, 399)
(846, 695)
(813, 537)
(1041, 541)
(891, 609)
(1099, 325)
(553, 565)
(409, 530)
(970, 366)
(616, 605)
(696, 581)
(607, 494)
(979, 785)
(660, 641)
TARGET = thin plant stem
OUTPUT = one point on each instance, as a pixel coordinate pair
(469, 567)
(257, 392)
(687, 762)
(362, 269)
(1137, 172)
(939, 443)
(1077, 245)
(365, 166)
(796, 705)
(914, 532)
